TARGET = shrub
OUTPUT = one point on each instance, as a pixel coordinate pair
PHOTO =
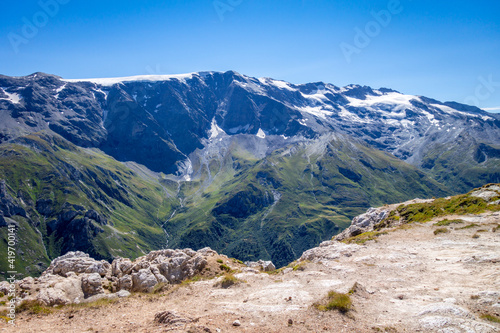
(34, 307)
(440, 231)
(469, 226)
(225, 267)
(336, 301)
(220, 261)
(227, 281)
(447, 222)
(299, 267)
(491, 318)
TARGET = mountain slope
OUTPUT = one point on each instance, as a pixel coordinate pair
(256, 168)
(297, 196)
(69, 198)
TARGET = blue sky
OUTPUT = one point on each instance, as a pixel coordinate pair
(440, 49)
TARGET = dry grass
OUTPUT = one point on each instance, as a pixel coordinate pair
(335, 301)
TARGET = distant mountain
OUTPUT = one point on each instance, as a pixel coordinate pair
(255, 168)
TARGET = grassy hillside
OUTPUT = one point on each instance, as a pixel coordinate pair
(58, 183)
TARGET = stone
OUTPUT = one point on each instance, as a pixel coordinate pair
(58, 290)
(266, 266)
(172, 318)
(77, 262)
(236, 323)
(364, 222)
(125, 282)
(122, 293)
(485, 194)
(143, 281)
(121, 266)
(92, 284)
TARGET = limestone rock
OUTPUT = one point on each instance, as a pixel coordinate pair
(125, 282)
(121, 266)
(329, 250)
(60, 290)
(91, 284)
(143, 281)
(364, 222)
(266, 266)
(77, 262)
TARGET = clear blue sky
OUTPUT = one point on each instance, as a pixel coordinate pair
(448, 50)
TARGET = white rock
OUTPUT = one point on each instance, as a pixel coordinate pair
(91, 284)
(143, 281)
(60, 290)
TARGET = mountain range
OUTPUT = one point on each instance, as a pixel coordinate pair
(255, 168)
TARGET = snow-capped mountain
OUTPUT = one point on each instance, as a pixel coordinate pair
(253, 167)
(174, 114)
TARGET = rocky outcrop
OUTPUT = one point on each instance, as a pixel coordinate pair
(77, 262)
(265, 266)
(329, 250)
(364, 222)
(487, 193)
(76, 277)
(373, 216)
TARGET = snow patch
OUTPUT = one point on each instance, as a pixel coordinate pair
(447, 109)
(14, 98)
(215, 130)
(398, 99)
(251, 86)
(277, 83)
(58, 90)
(317, 111)
(137, 78)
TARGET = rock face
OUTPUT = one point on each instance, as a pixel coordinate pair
(75, 277)
(363, 223)
(366, 222)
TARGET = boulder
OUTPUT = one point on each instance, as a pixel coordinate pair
(125, 282)
(92, 284)
(77, 262)
(121, 266)
(144, 281)
(364, 222)
(266, 266)
(58, 290)
(181, 266)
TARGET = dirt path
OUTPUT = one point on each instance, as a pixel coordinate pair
(412, 281)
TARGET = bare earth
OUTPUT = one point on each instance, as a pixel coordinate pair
(413, 281)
